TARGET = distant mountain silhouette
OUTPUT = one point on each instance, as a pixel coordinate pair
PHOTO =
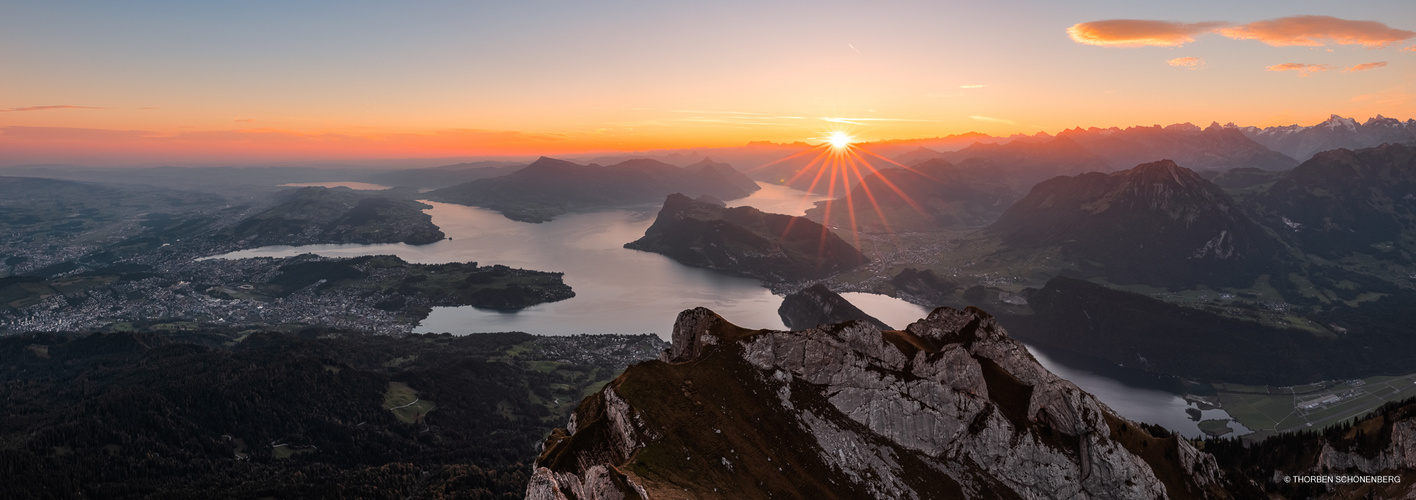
(1302, 142)
(712, 170)
(550, 187)
(446, 175)
(1022, 163)
(1157, 223)
(1184, 143)
(917, 156)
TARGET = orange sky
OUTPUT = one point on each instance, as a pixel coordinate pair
(156, 82)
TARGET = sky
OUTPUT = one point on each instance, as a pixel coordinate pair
(180, 82)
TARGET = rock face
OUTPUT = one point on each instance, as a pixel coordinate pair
(1399, 455)
(746, 241)
(924, 285)
(818, 305)
(950, 407)
(1157, 223)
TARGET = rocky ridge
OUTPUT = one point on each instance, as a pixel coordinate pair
(950, 407)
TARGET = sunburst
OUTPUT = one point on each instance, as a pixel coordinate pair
(839, 166)
(839, 140)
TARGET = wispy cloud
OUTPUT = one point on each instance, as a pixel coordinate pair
(1409, 48)
(1317, 31)
(993, 120)
(1302, 69)
(1187, 62)
(702, 112)
(972, 86)
(860, 121)
(1138, 32)
(1365, 66)
(42, 108)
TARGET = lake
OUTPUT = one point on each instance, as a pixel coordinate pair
(619, 290)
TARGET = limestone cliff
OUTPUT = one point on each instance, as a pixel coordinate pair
(950, 407)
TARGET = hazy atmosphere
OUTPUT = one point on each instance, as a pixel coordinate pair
(200, 83)
(639, 250)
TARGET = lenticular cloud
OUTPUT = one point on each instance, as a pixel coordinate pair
(1311, 31)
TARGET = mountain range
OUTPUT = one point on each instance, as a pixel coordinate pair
(549, 187)
(1343, 202)
(1158, 223)
(1302, 142)
(445, 175)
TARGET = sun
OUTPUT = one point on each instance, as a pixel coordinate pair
(840, 140)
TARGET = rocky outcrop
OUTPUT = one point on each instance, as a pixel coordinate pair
(923, 285)
(1399, 455)
(949, 407)
(818, 305)
(746, 241)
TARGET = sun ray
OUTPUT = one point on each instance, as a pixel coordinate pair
(910, 201)
(895, 163)
(788, 157)
(865, 187)
(850, 200)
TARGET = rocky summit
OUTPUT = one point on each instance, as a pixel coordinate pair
(950, 407)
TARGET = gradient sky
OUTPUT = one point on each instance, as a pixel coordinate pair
(112, 83)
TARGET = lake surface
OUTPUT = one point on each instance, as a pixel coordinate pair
(619, 290)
